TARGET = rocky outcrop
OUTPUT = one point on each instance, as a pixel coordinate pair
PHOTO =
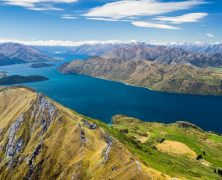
(43, 112)
(82, 134)
(31, 161)
(13, 146)
(91, 126)
(185, 124)
(109, 142)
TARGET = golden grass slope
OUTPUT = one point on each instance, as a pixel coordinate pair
(40, 139)
(176, 148)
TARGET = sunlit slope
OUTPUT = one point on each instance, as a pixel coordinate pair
(178, 78)
(40, 139)
(180, 149)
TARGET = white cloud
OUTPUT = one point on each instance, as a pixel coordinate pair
(79, 43)
(153, 25)
(59, 42)
(101, 19)
(132, 8)
(191, 17)
(39, 5)
(68, 16)
(210, 35)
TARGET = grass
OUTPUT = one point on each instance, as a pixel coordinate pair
(62, 151)
(173, 165)
(217, 69)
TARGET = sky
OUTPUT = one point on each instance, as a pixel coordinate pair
(153, 21)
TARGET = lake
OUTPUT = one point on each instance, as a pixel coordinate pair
(103, 99)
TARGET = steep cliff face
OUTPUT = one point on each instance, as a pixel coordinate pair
(40, 139)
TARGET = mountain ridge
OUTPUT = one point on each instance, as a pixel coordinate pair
(41, 139)
(165, 55)
(13, 53)
(180, 78)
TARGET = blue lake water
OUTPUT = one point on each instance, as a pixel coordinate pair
(102, 99)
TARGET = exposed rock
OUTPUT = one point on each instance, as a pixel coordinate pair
(31, 161)
(86, 123)
(36, 151)
(109, 142)
(90, 125)
(44, 110)
(93, 126)
(13, 146)
(82, 135)
(18, 145)
(185, 124)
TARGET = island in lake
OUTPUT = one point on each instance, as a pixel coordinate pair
(16, 79)
(40, 65)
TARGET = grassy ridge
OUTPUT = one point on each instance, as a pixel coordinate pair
(134, 152)
(176, 166)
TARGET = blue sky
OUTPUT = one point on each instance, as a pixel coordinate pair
(82, 20)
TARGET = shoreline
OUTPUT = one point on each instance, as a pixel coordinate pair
(147, 88)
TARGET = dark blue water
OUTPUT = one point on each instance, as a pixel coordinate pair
(102, 99)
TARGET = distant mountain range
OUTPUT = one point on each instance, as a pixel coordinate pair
(13, 53)
(101, 48)
(200, 47)
(97, 49)
(160, 68)
(180, 78)
(200, 55)
(165, 55)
